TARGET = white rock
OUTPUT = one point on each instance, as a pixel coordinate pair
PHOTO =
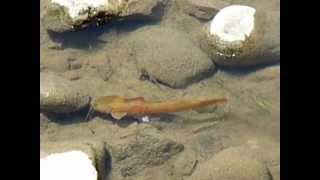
(233, 23)
(243, 36)
(77, 7)
(71, 165)
(65, 15)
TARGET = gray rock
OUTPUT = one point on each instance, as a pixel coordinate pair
(59, 95)
(146, 150)
(58, 17)
(170, 57)
(232, 165)
(262, 47)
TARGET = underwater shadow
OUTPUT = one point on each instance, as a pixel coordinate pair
(86, 115)
(126, 121)
(68, 118)
(242, 70)
(88, 38)
(106, 170)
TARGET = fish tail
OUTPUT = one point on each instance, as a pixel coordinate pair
(203, 103)
(177, 106)
(210, 101)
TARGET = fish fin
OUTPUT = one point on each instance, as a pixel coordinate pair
(118, 115)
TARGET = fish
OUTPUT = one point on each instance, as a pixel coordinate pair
(119, 107)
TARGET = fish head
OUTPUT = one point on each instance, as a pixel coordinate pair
(105, 104)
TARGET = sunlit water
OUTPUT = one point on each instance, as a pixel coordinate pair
(252, 112)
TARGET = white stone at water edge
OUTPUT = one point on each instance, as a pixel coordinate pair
(71, 165)
(77, 7)
(233, 23)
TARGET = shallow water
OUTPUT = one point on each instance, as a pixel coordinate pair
(252, 113)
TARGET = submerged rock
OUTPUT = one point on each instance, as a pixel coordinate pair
(243, 36)
(232, 165)
(146, 150)
(64, 15)
(59, 95)
(169, 56)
